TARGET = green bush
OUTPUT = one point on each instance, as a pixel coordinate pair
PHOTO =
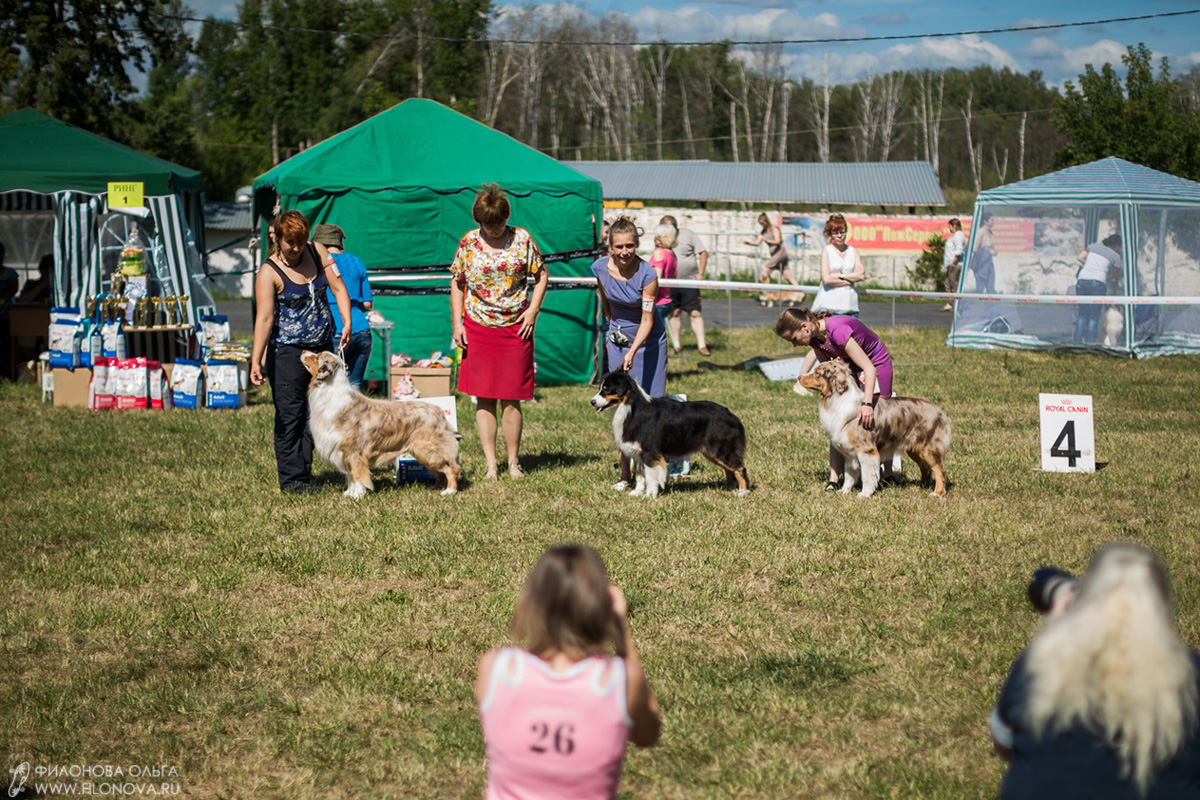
(928, 274)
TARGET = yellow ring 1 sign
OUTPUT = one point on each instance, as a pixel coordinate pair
(126, 194)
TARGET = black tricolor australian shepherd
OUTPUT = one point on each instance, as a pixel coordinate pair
(653, 431)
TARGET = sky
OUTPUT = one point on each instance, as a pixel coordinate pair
(1060, 55)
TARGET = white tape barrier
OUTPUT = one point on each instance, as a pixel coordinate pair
(747, 286)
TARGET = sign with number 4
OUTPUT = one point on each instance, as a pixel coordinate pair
(1068, 436)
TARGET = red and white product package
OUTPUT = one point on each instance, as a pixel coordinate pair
(109, 398)
(98, 396)
(132, 384)
(160, 392)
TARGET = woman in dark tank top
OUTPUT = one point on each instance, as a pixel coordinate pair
(294, 316)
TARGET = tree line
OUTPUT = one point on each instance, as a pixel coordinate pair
(233, 97)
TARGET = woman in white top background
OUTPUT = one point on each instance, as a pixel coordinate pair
(841, 268)
(952, 255)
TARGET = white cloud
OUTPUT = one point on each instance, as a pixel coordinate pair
(1059, 65)
(848, 62)
(1041, 47)
(963, 52)
(689, 23)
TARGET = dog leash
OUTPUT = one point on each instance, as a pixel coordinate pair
(341, 354)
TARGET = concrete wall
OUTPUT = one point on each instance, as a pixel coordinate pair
(224, 264)
(724, 233)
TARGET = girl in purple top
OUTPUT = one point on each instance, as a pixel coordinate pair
(845, 339)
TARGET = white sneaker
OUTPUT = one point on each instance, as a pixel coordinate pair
(620, 486)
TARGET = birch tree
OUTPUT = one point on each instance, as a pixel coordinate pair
(929, 114)
(974, 155)
(658, 60)
(891, 102)
(868, 117)
(500, 67)
(783, 121)
(820, 113)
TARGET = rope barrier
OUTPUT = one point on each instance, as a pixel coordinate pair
(581, 282)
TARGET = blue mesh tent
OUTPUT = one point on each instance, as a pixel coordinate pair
(1041, 225)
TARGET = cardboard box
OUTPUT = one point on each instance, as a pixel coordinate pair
(409, 470)
(429, 381)
(71, 386)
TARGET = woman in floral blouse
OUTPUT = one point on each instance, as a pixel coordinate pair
(493, 318)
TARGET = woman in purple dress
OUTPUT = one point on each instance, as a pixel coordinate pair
(637, 337)
(845, 339)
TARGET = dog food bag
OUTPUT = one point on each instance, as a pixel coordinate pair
(100, 392)
(99, 382)
(113, 336)
(117, 379)
(223, 384)
(95, 342)
(112, 385)
(133, 389)
(66, 337)
(164, 388)
(187, 384)
(214, 329)
(156, 384)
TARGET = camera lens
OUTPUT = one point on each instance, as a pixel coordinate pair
(1046, 584)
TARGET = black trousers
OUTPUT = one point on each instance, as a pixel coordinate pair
(289, 388)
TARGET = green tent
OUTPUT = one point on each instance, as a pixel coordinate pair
(402, 183)
(46, 164)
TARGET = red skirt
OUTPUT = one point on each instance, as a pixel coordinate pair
(497, 364)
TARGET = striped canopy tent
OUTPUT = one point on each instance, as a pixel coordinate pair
(46, 164)
(1042, 226)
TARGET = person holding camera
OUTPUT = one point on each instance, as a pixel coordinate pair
(1104, 701)
(558, 711)
(637, 337)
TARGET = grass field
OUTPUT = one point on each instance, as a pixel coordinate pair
(164, 604)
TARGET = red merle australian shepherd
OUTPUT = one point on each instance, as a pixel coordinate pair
(902, 424)
(354, 432)
(653, 431)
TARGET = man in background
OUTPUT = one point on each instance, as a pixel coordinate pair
(692, 258)
(354, 275)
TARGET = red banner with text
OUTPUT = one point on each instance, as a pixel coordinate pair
(897, 235)
(882, 234)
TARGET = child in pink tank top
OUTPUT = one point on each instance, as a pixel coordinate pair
(557, 713)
